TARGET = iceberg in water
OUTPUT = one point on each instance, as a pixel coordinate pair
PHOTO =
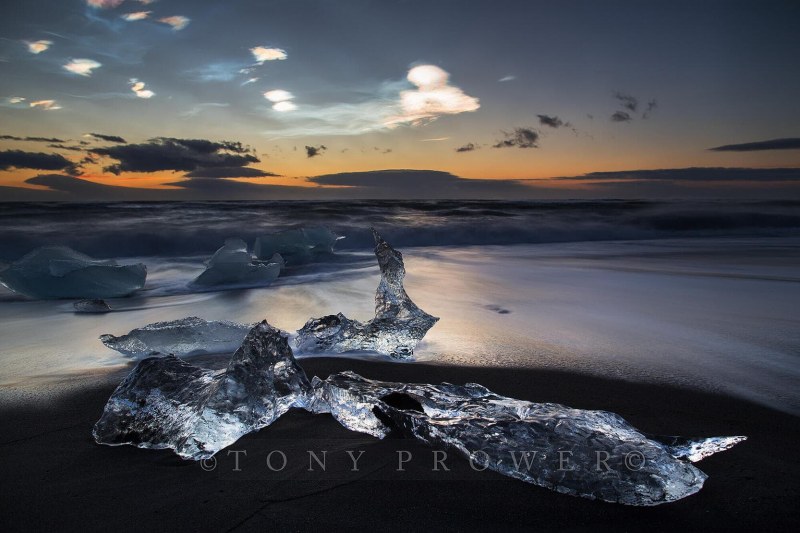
(396, 329)
(91, 306)
(233, 266)
(297, 246)
(183, 337)
(168, 403)
(593, 454)
(61, 272)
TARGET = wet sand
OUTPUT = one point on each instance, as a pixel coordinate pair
(55, 477)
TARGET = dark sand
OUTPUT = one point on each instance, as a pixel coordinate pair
(55, 477)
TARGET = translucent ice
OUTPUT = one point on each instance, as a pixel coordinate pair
(398, 324)
(297, 246)
(91, 306)
(60, 272)
(233, 266)
(593, 454)
(168, 403)
(183, 337)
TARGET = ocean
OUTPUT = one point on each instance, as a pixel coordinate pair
(702, 295)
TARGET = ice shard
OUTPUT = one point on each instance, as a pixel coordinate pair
(183, 337)
(233, 266)
(396, 329)
(94, 306)
(297, 246)
(593, 454)
(61, 272)
(167, 403)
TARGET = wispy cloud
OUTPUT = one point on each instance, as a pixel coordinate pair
(82, 67)
(507, 78)
(104, 4)
(433, 97)
(15, 99)
(37, 47)
(199, 108)
(520, 138)
(314, 151)
(138, 88)
(262, 54)
(281, 100)
(621, 116)
(249, 81)
(107, 138)
(138, 15)
(47, 105)
(435, 139)
(178, 22)
(469, 147)
(772, 144)
(631, 103)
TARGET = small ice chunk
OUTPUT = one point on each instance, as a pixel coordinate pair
(592, 454)
(183, 337)
(61, 272)
(167, 403)
(233, 266)
(91, 306)
(396, 329)
(297, 246)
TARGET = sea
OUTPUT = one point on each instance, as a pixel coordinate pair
(700, 295)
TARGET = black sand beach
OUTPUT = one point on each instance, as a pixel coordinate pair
(55, 477)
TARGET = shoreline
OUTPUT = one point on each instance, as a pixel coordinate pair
(755, 484)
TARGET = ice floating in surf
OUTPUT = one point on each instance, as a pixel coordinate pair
(398, 325)
(233, 266)
(168, 403)
(593, 454)
(297, 246)
(183, 337)
(60, 272)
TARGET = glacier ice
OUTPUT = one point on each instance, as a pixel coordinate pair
(91, 306)
(396, 329)
(593, 454)
(168, 403)
(61, 272)
(233, 266)
(182, 337)
(297, 246)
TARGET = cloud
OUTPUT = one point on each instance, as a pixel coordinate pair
(792, 143)
(631, 103)
(249, 81)
(651, 106)
(65, 147)
(31, 139)
(433, 97)
(552, 121)
(166, 153)
(469, 147)
(37, 47)
(107, 138)
(138, 15)
(178, 22)
(314, 151)
(82, 67)
(104, 4)
(696, 174)
(520, 137)
(435, 139)
(621, 116)
(230, 172)
(262, 54)
(36, 160)
(15, 99)
(507, 78)
(281, 100)
(198, 108)
(47, 105)
(138, 89)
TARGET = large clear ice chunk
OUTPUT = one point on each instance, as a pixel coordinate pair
(183, 337)
(61, 272)
(593, 454)
(168, 403)
(233, 266)
(297, 246)
(398, 325)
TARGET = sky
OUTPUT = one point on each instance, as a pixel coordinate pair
(252, 99)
